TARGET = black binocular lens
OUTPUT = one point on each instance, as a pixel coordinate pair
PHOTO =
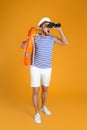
(51, 25)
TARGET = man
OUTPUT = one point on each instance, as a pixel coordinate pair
(41, 68)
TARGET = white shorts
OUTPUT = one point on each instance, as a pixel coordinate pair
(40, 76)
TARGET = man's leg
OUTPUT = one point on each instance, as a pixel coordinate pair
(44, 95)
(46, 75)
(35, 83)
(44, 99)
(35, 98)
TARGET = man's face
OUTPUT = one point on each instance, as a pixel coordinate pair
(45, 29)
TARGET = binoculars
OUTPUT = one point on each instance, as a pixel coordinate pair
(51, 25)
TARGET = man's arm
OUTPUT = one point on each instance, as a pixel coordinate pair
(63, 40)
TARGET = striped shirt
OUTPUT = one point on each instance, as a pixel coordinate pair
(43, 51)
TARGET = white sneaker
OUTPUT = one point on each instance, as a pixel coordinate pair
(45, 110)
(37, 118)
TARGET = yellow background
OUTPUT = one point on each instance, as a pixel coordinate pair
(68, 89)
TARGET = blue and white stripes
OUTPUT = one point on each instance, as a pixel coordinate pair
(43, 51)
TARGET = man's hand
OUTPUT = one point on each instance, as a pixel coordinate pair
(23, 44)
(59, 29)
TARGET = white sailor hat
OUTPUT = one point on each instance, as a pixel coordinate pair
(43, 20)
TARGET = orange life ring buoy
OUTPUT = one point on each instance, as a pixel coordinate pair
(28, 50)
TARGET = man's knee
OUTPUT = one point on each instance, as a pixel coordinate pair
(44, 88)
(36, 90)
